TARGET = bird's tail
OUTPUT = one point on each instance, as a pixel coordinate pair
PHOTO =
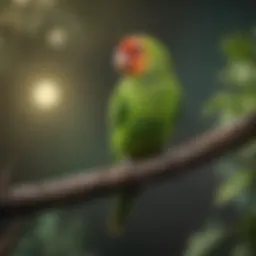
(122, 209)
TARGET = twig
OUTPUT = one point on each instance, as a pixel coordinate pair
(27, 198)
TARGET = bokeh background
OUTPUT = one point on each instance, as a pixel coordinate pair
(69, 44)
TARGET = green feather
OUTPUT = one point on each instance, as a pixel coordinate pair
(121, 210)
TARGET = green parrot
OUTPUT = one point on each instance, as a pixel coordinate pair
(142, 111)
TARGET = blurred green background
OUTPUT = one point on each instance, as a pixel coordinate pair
(70, 43)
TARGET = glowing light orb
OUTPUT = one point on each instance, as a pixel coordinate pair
(46, 94)
(57, 37)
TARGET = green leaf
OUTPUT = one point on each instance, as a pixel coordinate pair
(242, 250)
(204, 242)
(217, 103)
(238, 46)
(249, 151)
(240, 73)
(235, 185)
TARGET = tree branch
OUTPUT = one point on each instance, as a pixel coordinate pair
(27, 198)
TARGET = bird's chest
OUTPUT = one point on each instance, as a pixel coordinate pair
(147, 103)
(146, 122)
(144, 135)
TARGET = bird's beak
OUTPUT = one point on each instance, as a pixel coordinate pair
(121, 60)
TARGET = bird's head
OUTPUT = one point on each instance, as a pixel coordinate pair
(137, 55)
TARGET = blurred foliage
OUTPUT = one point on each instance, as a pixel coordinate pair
(30, 29)
(237, 236)
(53, 234)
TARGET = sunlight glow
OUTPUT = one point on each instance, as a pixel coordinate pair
(57, 37)
(39, 3)
(47, 3)
(46, 94)
(21, 3)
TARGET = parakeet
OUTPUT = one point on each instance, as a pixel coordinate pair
(142, 111)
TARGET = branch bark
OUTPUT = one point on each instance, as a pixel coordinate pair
(27, 198)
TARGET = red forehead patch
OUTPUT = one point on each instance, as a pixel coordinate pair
(129, 43)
